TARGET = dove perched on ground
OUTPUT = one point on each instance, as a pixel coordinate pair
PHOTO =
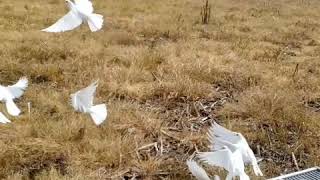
(9, 93)
(230, 160)
(220, 136)
(197, 171)
(79, 11)
(4, 119)
(82, 101)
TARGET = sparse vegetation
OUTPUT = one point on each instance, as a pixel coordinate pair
(165, 78)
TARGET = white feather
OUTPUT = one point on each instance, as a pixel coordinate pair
(225, 158)
(80, 11)
(12, 108)
(4, 119)
(98, 113)
(95, 22)
(84, 6)
(17, 89)
(82, 101)
(216, 177)
(220, 136)
(197, 171)
(9, 93)
(66, 23)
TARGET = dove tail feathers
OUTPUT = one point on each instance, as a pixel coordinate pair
(12, 108)
(95, 22)
(98, 113)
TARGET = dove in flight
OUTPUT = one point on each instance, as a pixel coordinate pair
(82, 101)
(220, 136)
(79, 11)
(4, 119)
(230, 160)
(9, 93)
(197, 171)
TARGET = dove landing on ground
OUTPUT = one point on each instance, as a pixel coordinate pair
(229, 159)
(9, 93)
(79, 11)
(82, 101)
(4, 119)
(220, 136)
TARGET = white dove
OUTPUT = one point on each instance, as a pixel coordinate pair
(197, 171)
(80, 11)
(230, 160)
(220, 136)
(9, 93)
(82, 101)
(4, 119)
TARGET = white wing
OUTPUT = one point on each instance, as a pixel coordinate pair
(4, 119)
(254, 162)
(66, 23)
(17, 89)
(219, 143)
(84, 6)
(197, 171)
(220, 158)
(237, 162)
(217, 130)
(83, 99)
(2, 92)
(221, 131)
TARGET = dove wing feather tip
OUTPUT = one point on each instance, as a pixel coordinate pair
(197, 171)
(4, 119)
(98, 113)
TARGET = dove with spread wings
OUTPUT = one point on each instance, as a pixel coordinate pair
(229, 159)
(82, 101)
(220, 136)
(9, 93)
(79, 11)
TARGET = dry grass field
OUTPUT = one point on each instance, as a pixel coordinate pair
(165, 76)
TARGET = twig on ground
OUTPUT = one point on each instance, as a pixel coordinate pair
(295, 161)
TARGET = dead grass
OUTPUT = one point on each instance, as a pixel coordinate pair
(165, 77)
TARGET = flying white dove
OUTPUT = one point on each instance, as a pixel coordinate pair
(80, 11)
(230, 160)
(9, 93)
(197, 171)
(4, 119)
(220, 136)
(82, 101)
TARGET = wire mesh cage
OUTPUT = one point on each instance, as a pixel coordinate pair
(308, 174)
